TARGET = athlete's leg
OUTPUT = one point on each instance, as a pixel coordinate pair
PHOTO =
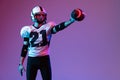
(46, 68)
(31, 69)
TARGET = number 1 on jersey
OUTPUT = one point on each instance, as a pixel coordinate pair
(35, 36)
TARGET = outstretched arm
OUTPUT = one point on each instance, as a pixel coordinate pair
(62, 25)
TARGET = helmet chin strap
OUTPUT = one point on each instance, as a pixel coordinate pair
(41, 22)
(38, 24)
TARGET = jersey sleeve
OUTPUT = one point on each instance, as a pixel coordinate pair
(25, 32)
(52, 24)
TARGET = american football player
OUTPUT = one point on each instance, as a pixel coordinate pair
(36, 41)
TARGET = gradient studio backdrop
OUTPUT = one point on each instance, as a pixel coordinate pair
(87, 50)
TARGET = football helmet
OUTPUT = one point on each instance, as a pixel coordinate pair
(37, 10)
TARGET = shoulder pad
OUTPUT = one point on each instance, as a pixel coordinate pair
(25, 31)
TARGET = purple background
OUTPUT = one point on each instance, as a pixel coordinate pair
(87, 50)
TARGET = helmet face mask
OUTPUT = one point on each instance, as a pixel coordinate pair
(40, 18)
(37, 12)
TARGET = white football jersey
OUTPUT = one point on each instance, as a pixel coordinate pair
(39, 39)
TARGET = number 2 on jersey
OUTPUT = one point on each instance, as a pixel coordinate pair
(35, 36)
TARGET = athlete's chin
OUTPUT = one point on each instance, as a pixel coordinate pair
(40, 22)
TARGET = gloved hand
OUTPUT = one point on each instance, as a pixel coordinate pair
(21, 69)
(72, 19)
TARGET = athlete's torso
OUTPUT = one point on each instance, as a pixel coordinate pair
(39, 39)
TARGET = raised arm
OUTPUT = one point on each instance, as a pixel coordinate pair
(62, 26)
(76, 15)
